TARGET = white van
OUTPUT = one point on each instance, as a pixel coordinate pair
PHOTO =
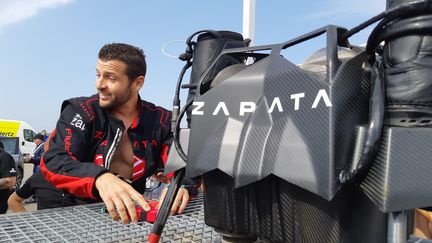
(20, 129)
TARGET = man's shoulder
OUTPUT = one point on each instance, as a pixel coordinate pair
(7, 161)
(40, 147)
(82, 100)
(160, 113)
(86, 105)
(153, 108)
(5, 155)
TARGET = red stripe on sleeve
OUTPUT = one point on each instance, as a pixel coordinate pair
(81, 187)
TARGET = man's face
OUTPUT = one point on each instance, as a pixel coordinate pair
(112, 84)
(37, 141)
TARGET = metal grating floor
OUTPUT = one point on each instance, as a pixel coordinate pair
(86, 223)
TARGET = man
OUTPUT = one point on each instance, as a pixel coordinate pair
(7, 177)
(45, 135)
(103, 141)
(36, 156)
(47, 195)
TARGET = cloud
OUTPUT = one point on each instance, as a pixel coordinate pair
(13, 11)
(341, 9)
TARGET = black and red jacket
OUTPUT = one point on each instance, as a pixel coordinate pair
(86, 137)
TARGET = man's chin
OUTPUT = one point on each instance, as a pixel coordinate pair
(104, 104)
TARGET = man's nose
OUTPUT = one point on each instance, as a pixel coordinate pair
(100, 83)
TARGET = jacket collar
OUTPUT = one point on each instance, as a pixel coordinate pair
(136, 121)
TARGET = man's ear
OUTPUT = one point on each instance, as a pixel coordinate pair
(139, 82)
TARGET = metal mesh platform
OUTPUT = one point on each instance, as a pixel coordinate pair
(87, 223)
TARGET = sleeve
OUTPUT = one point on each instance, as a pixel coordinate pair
(25, 191)
(7, 167)
(66, 163)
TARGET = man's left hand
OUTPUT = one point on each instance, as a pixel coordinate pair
(180, 202)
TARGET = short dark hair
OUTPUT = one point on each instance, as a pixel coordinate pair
(38, 136)
(132, 56)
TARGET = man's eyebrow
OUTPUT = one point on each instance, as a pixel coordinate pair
(110, 73)
(107, 72)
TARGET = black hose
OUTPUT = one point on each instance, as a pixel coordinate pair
(176, 100)
(371, 144)
(401, 11)
(176, 132)
(361, 26)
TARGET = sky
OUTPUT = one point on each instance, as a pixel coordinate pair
(48, 48)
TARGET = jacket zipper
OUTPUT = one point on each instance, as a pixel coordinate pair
(113, 148)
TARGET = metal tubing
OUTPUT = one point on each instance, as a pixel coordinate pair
(397, 227)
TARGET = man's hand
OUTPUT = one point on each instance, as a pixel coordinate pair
(27, 158)
(161, 177)
(118, 194)
(8, 182)
(180, 202)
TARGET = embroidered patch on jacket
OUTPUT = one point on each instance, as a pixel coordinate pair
(98, 159)
(78, 122)
(139, 167)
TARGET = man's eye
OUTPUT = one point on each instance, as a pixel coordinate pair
(111, 77)
(98, 75)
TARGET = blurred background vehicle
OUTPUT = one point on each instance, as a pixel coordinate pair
(20, 129)
(11, 145)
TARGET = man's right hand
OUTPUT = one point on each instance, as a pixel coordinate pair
(27, 158)
(116, 193)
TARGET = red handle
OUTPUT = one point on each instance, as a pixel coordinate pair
(153, 238)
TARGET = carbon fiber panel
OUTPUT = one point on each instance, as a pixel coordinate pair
(278, 211)
(174, 161)
(301, 140)
(400, 177)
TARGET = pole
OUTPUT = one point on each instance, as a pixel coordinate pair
(249, 20)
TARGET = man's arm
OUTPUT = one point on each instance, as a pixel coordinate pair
(15, 203)
(116, 193)
(66, 163)
(8, 182)
(7, 171)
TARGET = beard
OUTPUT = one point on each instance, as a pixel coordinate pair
(118, 100)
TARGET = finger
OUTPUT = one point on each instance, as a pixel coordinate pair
(111, 209)
(116, 217)
(121, 209)
(177, 202)
(175, 207)
(184, 200)
(130, 207)
(161, 177)
(139, 198)
(162, 197)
